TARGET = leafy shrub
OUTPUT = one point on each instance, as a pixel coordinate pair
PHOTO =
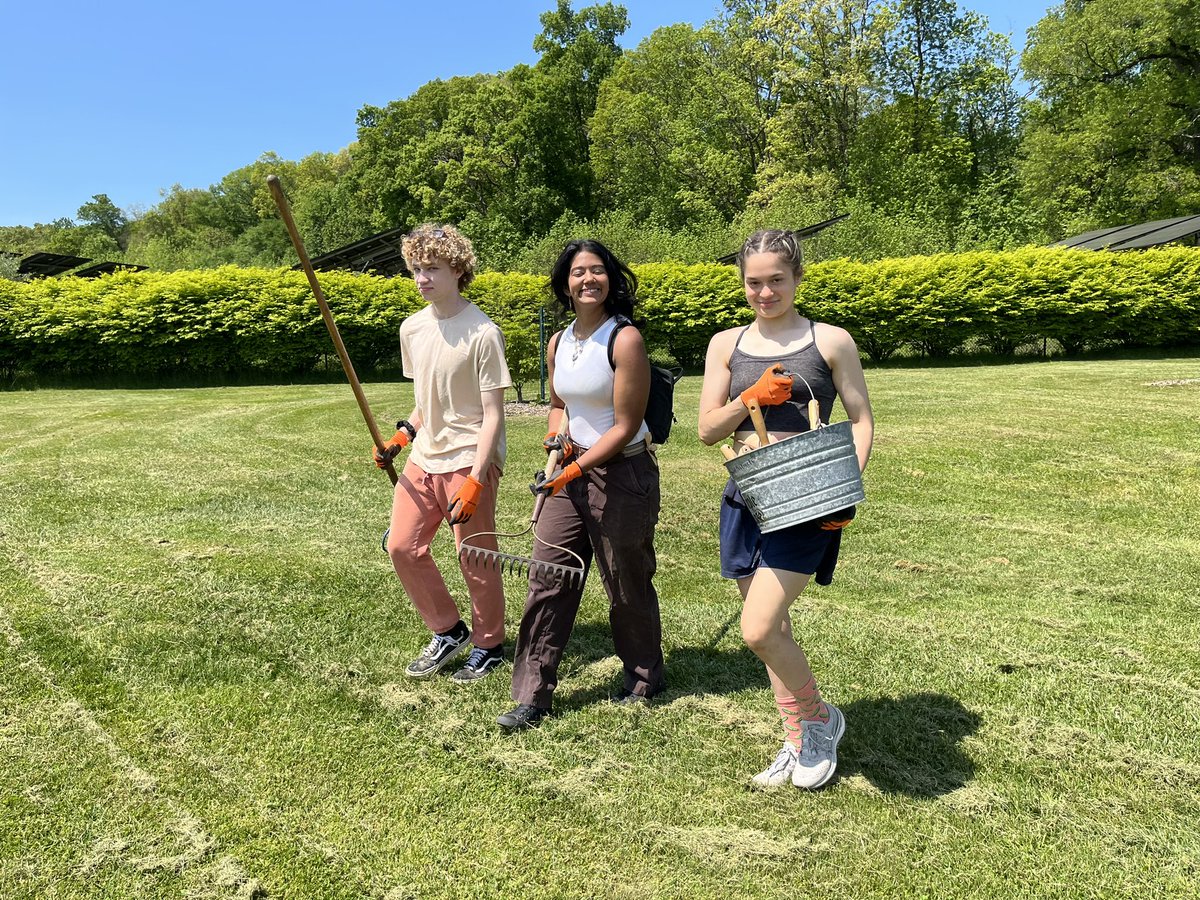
(231, 319)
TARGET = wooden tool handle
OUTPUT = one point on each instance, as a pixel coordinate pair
(729, 452)
(285, 212)
(760, 424)
(552, 460)
(814, 414)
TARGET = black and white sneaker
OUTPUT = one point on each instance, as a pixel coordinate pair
(479, 663)
(441, 649)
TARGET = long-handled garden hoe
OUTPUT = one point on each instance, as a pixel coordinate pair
(515, 564)
(285, 212)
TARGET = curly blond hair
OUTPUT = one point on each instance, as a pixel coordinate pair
(432, 240)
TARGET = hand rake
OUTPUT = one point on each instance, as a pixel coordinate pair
(515, 564)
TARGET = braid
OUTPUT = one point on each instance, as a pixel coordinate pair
(771, 240)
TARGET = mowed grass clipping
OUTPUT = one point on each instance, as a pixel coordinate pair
(202, 650)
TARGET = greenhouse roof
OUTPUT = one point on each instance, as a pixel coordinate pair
(1135, 237)
(379, 253)
(48, 264)
(806, 232)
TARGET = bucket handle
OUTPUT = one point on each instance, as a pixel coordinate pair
(814, 407)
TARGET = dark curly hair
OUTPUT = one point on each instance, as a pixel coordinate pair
(622, 283)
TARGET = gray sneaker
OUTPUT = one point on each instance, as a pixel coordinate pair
(779, 772)
(441, 649)
(818, 750)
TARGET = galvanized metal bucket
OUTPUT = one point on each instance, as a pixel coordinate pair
(800, 478)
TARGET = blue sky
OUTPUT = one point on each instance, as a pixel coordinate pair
(130, 97)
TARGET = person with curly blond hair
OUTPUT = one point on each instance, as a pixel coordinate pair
(454, 355)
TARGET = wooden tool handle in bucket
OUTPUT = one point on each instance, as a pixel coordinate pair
(760, 424)
(814, 414)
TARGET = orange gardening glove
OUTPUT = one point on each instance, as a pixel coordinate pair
(402, 438)
(551, 486)
(560, 442)
(838, 520)
(771, 389)
(465, 501)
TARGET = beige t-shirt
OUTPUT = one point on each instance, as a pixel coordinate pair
(452, 362)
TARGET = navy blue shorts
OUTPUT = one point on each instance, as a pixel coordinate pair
(805, 548)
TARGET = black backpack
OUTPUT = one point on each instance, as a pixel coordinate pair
(660, 407)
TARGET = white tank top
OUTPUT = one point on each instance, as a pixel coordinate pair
(583, 380)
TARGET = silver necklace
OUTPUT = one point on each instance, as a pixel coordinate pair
(578, 348)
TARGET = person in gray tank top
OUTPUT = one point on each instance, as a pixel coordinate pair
(757, 363)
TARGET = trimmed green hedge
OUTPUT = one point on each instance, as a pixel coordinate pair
(233, 320)
(1081, 299)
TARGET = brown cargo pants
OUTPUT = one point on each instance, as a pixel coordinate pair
(607, 517)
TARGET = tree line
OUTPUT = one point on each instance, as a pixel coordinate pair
(911, 115)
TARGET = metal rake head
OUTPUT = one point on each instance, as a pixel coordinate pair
(512, 564)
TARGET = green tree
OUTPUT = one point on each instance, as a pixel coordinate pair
(502, 155)
(103, 215)
(329, 205)
(577, 53)
(678, 132)
(828, 62)
(1113, 136)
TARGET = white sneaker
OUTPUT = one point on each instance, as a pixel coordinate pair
(818, 750)
(778, 772)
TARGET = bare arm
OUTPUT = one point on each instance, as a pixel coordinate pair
(631, 390)
(489, 432)
(556, 419)
(839, 350)
(719, 415)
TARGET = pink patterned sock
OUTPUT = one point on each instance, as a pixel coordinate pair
(812, 707)
(789, 711)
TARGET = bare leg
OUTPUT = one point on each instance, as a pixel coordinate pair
(767, 595)
(767, 629)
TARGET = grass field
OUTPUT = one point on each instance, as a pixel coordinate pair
(202, 651)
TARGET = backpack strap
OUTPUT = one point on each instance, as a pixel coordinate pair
(552, 345)
(622, 321)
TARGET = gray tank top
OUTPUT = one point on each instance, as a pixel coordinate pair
(791, 415)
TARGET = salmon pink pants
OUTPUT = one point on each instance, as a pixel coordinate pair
(418, 510)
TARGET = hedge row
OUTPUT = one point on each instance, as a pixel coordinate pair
(230, 319)
(938, 305)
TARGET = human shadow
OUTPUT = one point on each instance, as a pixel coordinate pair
(701, 669)
(590, 643)
(908, 745)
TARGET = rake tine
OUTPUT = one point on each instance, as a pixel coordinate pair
(513, 564)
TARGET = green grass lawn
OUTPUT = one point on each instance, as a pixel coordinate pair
(202, 651)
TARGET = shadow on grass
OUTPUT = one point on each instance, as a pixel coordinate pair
(908, 745)
(689, 670)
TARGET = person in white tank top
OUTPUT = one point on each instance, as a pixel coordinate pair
(602, 503)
